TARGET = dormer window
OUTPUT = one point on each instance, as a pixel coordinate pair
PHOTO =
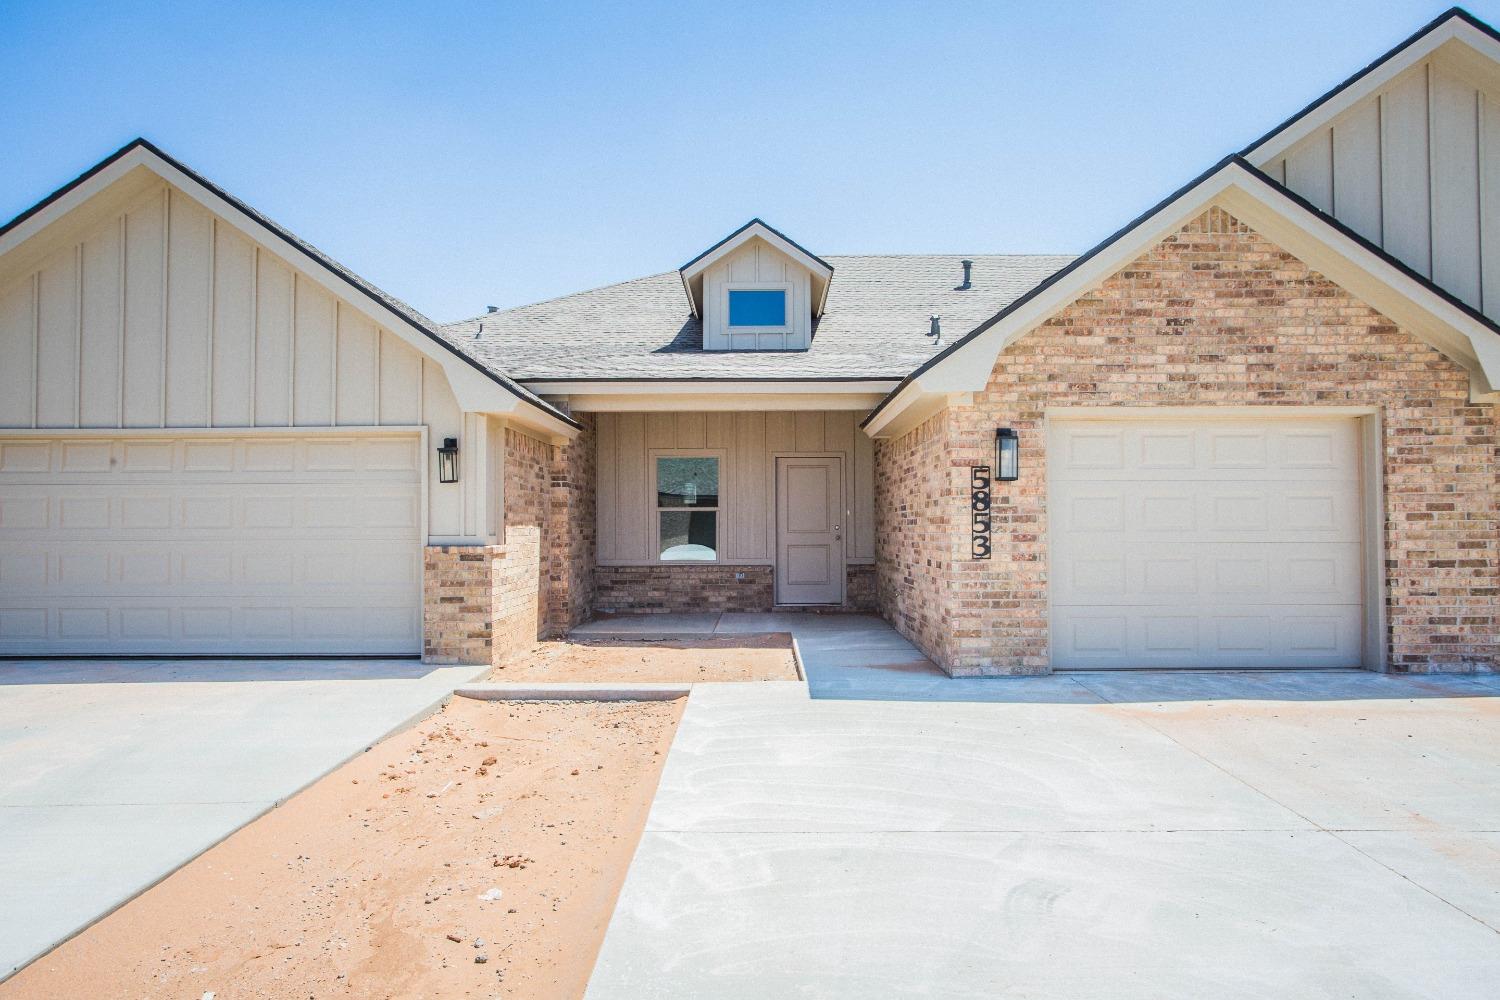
(756, 290)
(760, 308)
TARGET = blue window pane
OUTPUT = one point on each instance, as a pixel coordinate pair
(757, 307)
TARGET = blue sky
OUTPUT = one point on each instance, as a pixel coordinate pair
(466, 154)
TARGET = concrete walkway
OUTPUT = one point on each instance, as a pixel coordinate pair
(115, 773)
(844, 655)
(1110, 836)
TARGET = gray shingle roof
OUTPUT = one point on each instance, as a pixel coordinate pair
(875, 325)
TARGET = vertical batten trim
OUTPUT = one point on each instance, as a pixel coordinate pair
(1380, 154)
(252, 418)
(166, 287)
(1380, 167)
(333, 371)
(291, 355)
(379, 370)
(1479, 146)
(78, 334)
(120, 325)
(213, 307)
(36, 347)
(1333, 174)
(1432, 199)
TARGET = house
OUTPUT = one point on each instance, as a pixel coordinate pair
(1254, 428)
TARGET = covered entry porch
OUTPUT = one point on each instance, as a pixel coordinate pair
(739, 511)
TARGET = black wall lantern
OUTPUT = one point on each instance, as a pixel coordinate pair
(1007, 455)
(448, 461)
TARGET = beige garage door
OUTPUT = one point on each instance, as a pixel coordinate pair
(271, 545)
(1215, 544)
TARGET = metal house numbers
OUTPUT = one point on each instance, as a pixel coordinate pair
(979, 512)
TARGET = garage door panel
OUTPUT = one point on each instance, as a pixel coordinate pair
(1142, 637)
(1208, 452)
(1215, 543)
(1138, 572)
(234, 545)
(1285, 510)
(210, 627)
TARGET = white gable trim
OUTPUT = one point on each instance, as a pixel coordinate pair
(1451, 26)
(1325, 245)
(476, 390)
(754, 229)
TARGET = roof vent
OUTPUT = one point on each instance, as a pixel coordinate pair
(495, 309)
(935, 329)
(968, 276)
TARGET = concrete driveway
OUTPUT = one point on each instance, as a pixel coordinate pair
(114, 774)
(1111, 836)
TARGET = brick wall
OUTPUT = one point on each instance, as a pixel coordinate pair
(573, 524)
(519, 613)
(1213, 315)
(859, 588)
(683, 588)
(709, 588)
(457, 594)
(918, 509)
(481, 603)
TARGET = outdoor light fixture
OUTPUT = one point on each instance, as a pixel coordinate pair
(1007, 455)
(448, 461)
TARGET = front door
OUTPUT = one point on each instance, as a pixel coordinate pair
(809, 531)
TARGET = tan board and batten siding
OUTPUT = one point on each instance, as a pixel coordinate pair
(757, 264)
(162, 315)
(1415, 169)
(750, 442)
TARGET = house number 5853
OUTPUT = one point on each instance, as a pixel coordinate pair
(979, 511)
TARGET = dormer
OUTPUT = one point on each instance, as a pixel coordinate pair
(756, 290)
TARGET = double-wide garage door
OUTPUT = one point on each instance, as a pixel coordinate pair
(1222, 543)
(278, 544)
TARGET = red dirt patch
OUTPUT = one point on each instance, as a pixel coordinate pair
(379, 880)
(663, 661)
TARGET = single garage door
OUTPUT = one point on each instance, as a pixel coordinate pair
(275, 544)
(1205, 544)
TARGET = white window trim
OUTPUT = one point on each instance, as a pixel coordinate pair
(654, 509)
(731, 330)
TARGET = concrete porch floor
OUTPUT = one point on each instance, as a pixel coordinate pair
(848, 656)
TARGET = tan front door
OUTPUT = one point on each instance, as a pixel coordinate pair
(809, 531)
